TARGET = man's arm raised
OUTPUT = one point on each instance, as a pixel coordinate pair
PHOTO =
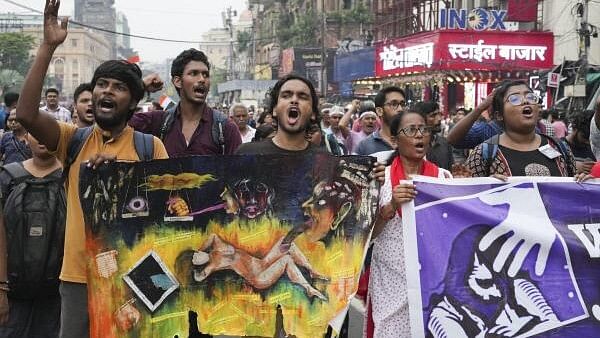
(41, 125)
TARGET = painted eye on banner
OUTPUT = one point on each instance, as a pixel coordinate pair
(137, 204)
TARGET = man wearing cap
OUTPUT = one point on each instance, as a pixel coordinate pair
(117, 89)
(325, 109)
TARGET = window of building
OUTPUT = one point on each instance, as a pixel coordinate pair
(347, 4)
(74, 42)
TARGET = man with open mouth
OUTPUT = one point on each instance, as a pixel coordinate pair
(83, 105)
(188, 129)
(117, 89)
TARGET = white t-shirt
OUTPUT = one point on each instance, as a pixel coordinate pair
(246, 138)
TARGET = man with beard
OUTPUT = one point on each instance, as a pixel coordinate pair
(189, 129)
(388, 103)
(294, 104)
(83, 105)
(117, 89)
(440, 151)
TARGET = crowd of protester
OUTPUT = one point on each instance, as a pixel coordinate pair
(507, 134)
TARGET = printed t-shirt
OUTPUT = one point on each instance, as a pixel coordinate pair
(74, 264)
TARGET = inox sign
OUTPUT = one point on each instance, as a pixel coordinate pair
(478, 19)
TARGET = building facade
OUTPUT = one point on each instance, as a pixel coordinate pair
(216, 44)
(75, 60)
(99, 13)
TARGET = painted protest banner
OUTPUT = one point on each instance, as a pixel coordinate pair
(236, 245)
(516, 259)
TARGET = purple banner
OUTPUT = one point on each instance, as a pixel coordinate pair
(514, 259)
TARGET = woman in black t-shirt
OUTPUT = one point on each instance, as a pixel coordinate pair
(519, 150)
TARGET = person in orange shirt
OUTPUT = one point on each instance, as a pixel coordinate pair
(117, 89)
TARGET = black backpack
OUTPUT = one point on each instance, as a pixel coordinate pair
(34, 218)
(217, 128)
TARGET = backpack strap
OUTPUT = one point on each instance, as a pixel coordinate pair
(167, 123)
(144, 145)
(489, 149)
(74, 147)
(16, 170)
(218, 128)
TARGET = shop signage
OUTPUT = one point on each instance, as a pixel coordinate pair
(481, 51)
(393, 57)
(455, 50)
(478, 19)
(553, 80)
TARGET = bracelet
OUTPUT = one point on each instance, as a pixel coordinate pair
(4, 288)
(4, 282)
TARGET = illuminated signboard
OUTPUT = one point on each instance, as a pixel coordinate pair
(478, 19)
(455, 50)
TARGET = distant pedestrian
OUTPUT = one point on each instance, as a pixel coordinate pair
(239, 113)
(13, 145)
(83, 108)
(53, 108)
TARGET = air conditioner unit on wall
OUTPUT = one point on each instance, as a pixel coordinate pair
(575, 90)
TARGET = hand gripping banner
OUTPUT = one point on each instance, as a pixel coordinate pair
(236, 245)
(493, 259)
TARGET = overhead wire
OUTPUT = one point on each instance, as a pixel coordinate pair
(122, 33)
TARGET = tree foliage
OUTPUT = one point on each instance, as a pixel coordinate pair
(10, 80)
(243, 40)
(360, 14)
(302, 32)
(14, 51)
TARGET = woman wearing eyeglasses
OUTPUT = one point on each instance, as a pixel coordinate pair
(519, 150)
(387, 295)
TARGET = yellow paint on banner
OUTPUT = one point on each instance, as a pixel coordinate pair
(335, 256)
(173, 239)
(253, 236)
(347, 273)
(280, 298)
(168, 316)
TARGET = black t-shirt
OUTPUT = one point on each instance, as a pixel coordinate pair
(530, 163)
(268, 147)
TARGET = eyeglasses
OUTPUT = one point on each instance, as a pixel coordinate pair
(412, 131)
(395, 104)
(518, 99)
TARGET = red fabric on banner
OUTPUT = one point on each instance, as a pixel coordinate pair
(522, 10)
